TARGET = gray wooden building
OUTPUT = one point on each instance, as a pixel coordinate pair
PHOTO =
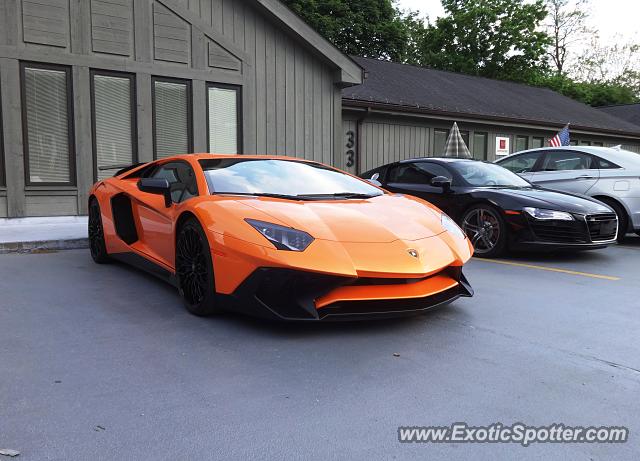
(87, 86)
(403, 111)
(93, 84)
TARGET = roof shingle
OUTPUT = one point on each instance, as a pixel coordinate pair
(430, 90)
(628, 112)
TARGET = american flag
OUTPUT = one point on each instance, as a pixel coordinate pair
(560, 139)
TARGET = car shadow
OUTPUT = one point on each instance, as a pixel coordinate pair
(568, 256)
(557, 256)
(172, 307)
(631, 241)
(366, 327)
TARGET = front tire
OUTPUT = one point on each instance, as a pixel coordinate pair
(97, 244)
(486, 229)
(194, 270)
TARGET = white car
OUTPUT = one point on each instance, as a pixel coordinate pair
(610, 175)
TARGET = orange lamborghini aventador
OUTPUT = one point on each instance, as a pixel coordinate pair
(278, 237)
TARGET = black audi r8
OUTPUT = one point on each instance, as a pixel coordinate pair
(498, 209)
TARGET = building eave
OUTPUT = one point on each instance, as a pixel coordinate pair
(374, 107)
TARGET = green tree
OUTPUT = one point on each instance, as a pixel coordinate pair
(594, 93)
(369, 28)
(490, 38)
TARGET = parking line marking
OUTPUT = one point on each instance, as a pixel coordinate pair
(550, 269)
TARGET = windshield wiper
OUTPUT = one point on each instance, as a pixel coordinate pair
(264, 194)
(340, 195)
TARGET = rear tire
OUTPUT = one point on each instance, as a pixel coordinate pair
(486, 229)
(194, 270)
(97, 245)
(623, 219)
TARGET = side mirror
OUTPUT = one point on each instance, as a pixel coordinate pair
(158, 186)
(374, 180)
(441, 181)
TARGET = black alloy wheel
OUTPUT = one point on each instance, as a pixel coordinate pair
(194, 270)
(486, 230)
(97, 245)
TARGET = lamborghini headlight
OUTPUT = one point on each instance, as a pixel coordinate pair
(548, 215)
(451, 227)
(281, 237)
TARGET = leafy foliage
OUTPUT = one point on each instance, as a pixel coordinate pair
(369, 28)
(490, 38)
(503, 39)
(594, 93)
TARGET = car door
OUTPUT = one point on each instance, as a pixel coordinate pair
(156, 220)
(522, 164)
(567, 170)
(414, 178)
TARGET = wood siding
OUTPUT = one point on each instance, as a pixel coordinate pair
(290, 104)
(112, 26)
(171, 36)
(385, 142)
(46, 23)
(51, 205)
(389, 138)
(3, 206)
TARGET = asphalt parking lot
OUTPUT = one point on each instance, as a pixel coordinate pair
(102, 362)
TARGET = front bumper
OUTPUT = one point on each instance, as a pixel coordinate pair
(285, 294)
(585, 232)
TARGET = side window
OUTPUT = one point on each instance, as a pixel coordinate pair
(182, 179)
(433, 169)
(567, 160)
(605, 164)
(416, 173)
(522, 163)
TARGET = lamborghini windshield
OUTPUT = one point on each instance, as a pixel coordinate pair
(282, 178)
(480, 174)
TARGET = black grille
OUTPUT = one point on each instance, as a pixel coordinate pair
(291, 293)
(602, 226)
(560, 231)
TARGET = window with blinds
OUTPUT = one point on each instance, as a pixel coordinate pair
(48, 118)
(522, 143)
(537, 142)
(439, 141)
(113, 122)
(480, 145)
(171, 119)
(222, 107)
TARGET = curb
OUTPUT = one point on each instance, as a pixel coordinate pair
(43, 246)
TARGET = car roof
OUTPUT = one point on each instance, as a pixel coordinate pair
(624, 158)
(208, 156)
(440, 159)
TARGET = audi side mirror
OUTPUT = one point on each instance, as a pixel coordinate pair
(158, 186)
(374, 180)
(441, 181)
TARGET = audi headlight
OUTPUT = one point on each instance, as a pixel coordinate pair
(548, 215)
(281, 237)
(451, 227)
